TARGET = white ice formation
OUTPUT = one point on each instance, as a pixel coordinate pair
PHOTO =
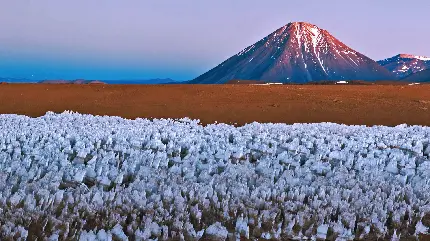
(72, 176)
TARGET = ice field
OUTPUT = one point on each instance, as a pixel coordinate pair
(73, 176)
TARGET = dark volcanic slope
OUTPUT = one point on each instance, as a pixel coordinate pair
(403, 65)
(297, 53)
(422, 76)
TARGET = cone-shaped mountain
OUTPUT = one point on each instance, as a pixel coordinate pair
(297, 53)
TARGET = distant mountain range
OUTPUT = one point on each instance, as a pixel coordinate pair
(78, 81)
(404, 65)
(148, 81)
(16, 80)
(297, 53)
(83, 81)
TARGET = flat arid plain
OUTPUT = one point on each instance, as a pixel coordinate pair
(232, 104)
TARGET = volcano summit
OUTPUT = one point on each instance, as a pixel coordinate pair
(296, 53)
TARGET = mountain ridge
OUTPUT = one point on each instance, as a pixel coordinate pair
(404, 65)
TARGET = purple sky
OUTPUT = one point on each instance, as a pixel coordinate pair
(181, 39)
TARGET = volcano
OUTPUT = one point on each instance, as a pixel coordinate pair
(405, 65)
(296, 53)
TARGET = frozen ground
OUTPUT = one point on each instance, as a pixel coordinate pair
(85, 177)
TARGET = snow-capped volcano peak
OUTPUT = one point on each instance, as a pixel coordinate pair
(410, 56)
(303, 26)
(306, 31)
(298, 52)
(403, 65)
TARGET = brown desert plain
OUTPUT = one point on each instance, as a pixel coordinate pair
(231, 103)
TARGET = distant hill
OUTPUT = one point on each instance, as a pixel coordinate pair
(297, 53)
(147, 81)
(78, 81)
(55, 82)
(83, 81)
(403, 65)
(17, 80)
